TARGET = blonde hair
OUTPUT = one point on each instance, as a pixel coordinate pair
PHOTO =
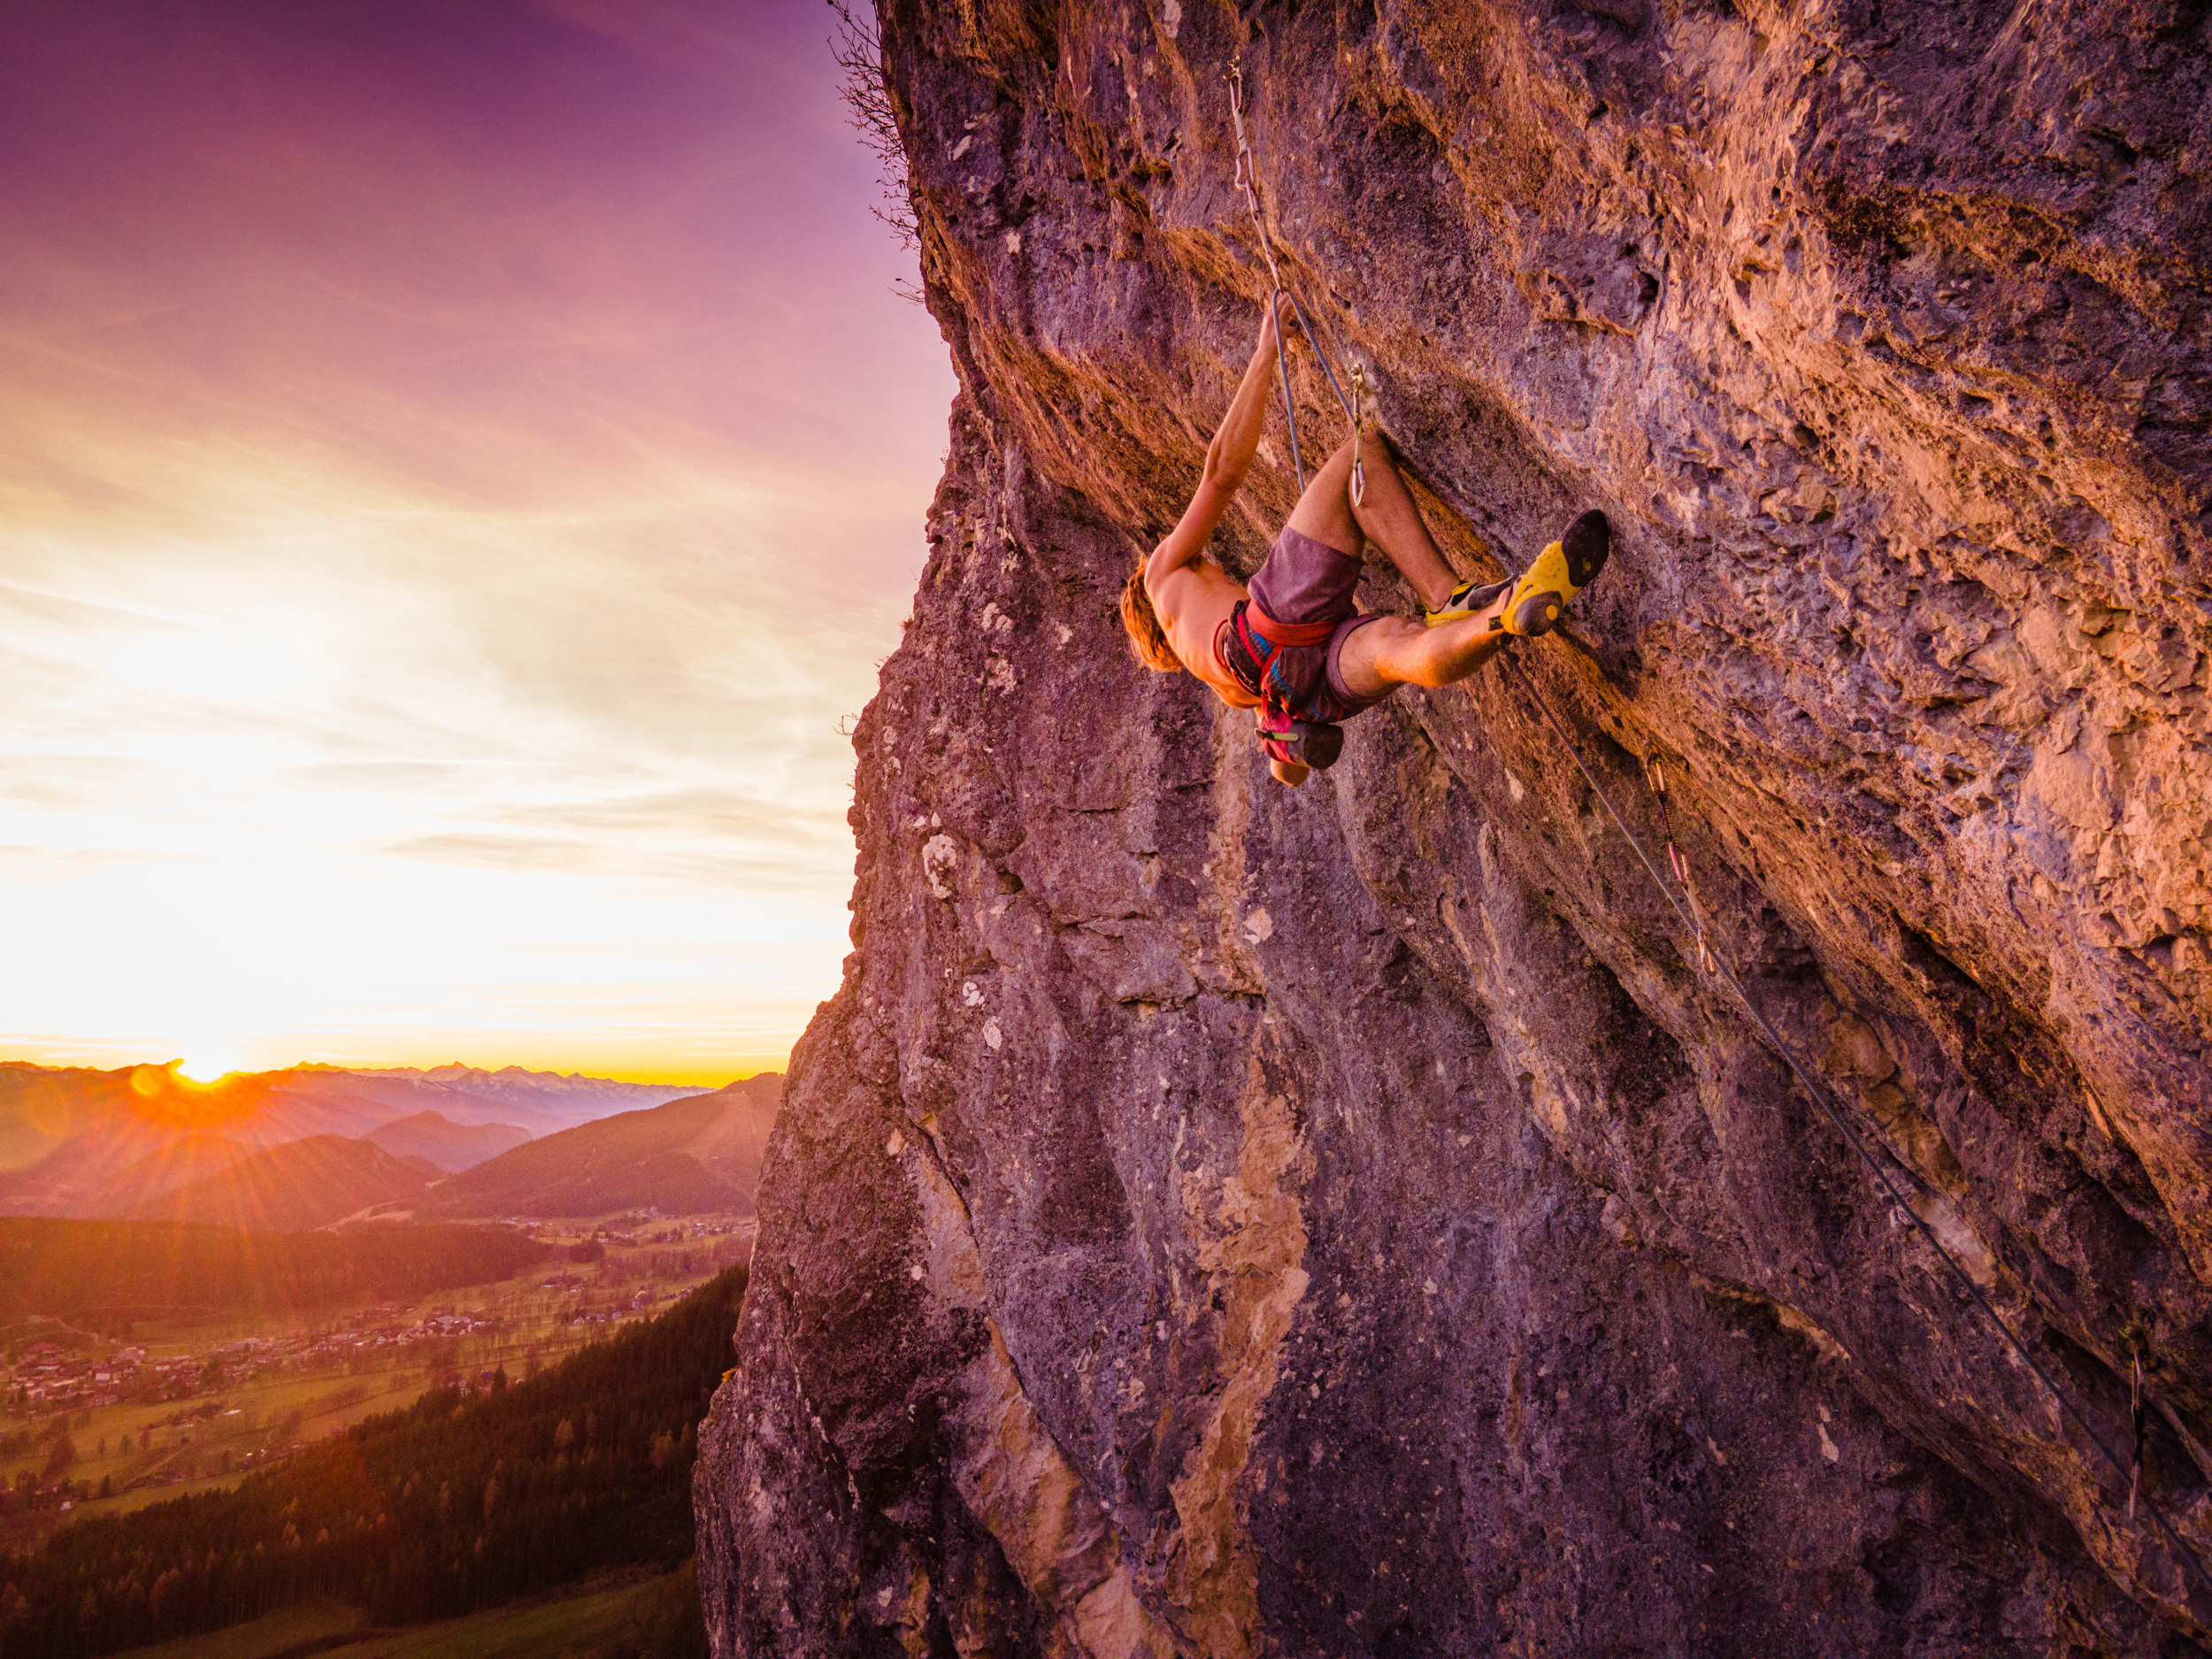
(1146, 638)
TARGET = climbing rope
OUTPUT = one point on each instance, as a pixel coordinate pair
(1248, 183)
(1693, 921)
(2135, 1417)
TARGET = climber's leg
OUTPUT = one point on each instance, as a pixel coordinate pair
(1325, 511)
(1386, 513)
(1385, 516)
(1384, 652)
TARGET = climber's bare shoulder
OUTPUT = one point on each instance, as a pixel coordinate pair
(1192, 597)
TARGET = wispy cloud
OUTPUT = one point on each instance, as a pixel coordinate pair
(459, 468)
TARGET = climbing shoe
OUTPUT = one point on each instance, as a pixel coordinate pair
(1561, 570)
(1467, 600)
(1304, 743)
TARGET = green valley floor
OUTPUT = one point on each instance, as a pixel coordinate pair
(654, 1617)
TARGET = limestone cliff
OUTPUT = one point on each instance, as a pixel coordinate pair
(1216, 1219)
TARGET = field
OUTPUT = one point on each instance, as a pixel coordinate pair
(542, 1628)
(238, 1417)
(311, 1627)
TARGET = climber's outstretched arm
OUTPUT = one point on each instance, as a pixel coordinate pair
(1228, 458)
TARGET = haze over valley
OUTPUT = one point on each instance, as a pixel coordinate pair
(278, 1150)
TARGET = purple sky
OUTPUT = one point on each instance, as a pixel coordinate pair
(461, 462)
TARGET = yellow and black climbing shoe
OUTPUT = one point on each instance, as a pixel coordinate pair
(1561, 570)
(1467, 600)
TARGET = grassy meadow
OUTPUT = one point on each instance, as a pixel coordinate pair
(145, 1453)
(607, 1615)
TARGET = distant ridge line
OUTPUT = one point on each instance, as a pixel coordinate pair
(80, 1141)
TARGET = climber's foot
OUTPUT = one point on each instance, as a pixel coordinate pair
(1561, 570)
(1467, 600)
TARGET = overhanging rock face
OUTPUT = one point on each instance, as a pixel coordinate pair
(1215, 1219)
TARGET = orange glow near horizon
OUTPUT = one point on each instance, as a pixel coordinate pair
(611, 1060)
(207, 1064)
(460, 473)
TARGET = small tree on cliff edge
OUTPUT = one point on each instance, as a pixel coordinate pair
(858, 45)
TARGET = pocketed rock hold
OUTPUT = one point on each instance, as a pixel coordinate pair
(1884, 340)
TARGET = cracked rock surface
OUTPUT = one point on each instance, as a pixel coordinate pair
(1215, 1219)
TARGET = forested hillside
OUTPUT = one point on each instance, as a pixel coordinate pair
(300, 1184)
(449, 1145)
(688, 1157)
(101, 1273)
(454, 1504)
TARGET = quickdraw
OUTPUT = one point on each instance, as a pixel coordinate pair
(1359, 467)
(1656, 774)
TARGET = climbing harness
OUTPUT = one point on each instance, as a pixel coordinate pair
(1692, 920)
(1248, 183)
(1288, 731)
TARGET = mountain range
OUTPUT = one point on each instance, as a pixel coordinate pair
(295, 1187)
(570, 1096)
(685, 1157)
(310, 1146)
(449, 1145)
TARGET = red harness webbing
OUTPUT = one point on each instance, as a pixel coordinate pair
(1285, 632)
(1254, 625)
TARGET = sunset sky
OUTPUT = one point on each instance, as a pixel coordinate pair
(461, 463)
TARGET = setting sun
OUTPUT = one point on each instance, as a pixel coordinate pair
(207, 1062)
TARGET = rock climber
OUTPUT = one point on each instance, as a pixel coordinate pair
(1295, 646)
